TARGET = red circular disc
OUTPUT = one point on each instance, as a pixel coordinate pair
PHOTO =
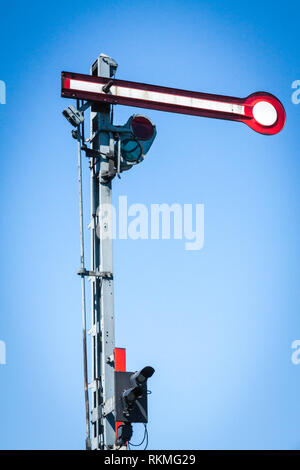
(264, 113)
(142, 127)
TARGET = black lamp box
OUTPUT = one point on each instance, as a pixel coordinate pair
(139, 411)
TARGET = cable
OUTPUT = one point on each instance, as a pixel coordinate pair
(112, 114)
(82, 126)
(147, 442)
(83, 301)
(145, 436)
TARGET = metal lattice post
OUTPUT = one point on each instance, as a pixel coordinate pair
(102, 331)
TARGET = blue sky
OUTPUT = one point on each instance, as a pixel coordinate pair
(219, 322)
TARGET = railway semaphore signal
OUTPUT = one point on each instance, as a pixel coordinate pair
(119, 398)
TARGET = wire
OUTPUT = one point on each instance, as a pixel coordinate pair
(145, 437)
(112, 114)
(82, 126)
(83, 299)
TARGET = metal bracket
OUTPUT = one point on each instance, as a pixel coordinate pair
(85, 106)
(93, 386)
(106, 88)
(96, 274)
(96, 414)
(108, 407)
(109, 175)
(110, 359)
(110, 128)
(91, 153)
(94, 330)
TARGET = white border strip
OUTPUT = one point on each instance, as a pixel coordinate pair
(166, 98)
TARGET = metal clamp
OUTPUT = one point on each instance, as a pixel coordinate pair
(96, 414)
(107, 407)
(106, 88)
(96, 274)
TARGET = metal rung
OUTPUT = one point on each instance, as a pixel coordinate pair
(94, 385)
(108, 407)
(94, 330)
(96, 414)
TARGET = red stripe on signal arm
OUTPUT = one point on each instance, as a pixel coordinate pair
(66, 83)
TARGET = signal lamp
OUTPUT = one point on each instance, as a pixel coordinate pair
(131, 395)
(131, 150)
(74, 116)
(141, 376)
(142, 127)
(131, 404)
(136, 138)
(124, 434)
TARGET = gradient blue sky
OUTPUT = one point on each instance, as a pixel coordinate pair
(217, 324)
